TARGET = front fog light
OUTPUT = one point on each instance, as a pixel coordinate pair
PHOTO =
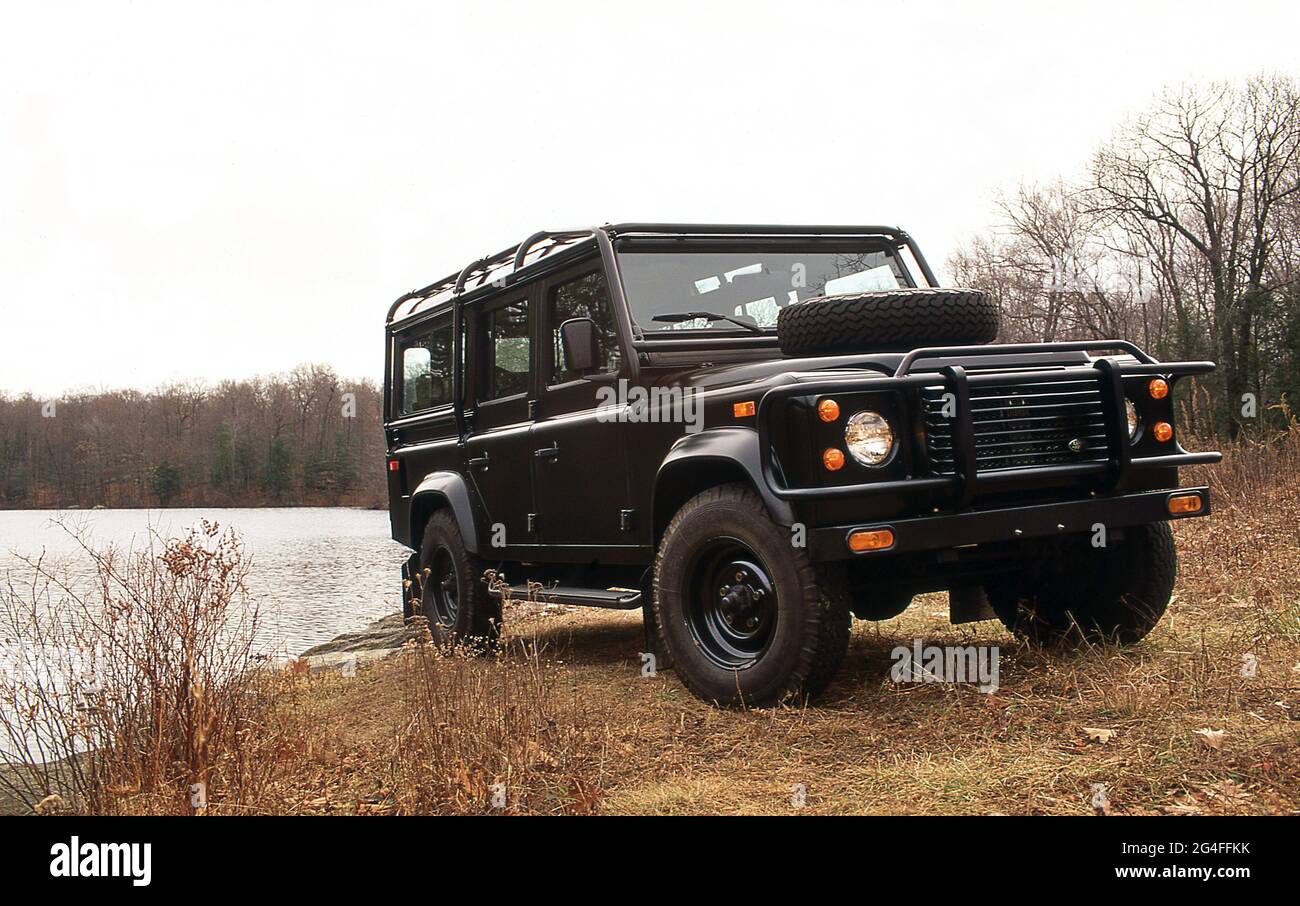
(1131, 415)
(869, 438)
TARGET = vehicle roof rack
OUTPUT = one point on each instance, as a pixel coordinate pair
(755, 229)
(505, 266)
(501, 268)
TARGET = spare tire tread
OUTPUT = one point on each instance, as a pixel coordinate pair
(886, 320)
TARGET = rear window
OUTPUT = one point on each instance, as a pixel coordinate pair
(425, 361)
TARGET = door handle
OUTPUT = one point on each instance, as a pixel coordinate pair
(552, 452)
(479, 462)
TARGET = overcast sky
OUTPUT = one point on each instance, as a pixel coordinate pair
(232, 192)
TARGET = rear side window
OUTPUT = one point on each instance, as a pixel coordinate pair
(506, 351)
(426, 371)
(585, 297)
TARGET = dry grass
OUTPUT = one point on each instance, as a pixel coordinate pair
(565, 720)
(482, 735)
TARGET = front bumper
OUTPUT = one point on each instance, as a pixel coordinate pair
(960, 489)
(932, 533)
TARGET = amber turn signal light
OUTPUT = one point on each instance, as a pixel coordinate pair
(1158, 388)
(1183, 504)
(743, 410)
(1163, 431)
(833, 459)
(872, 540)
(828, 410)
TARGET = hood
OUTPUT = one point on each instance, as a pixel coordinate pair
(785, 370)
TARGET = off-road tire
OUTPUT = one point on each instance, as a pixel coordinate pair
(477, 622)
(811, 624)
(1080, 595)
(893, 319)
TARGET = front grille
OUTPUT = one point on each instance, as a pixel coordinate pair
(1022, 426)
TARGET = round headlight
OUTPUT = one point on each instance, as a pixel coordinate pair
(1131, 414)
(869, 438)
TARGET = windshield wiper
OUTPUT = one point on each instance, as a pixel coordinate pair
(676, 317)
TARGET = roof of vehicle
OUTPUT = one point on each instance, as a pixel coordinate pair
(547, 247)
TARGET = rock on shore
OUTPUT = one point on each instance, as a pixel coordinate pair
(377, 641)
(384, 637)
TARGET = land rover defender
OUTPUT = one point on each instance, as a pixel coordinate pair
(757, 433)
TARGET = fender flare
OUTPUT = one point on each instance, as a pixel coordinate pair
(446, 489)
(735, 447)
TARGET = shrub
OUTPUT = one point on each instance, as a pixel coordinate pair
(142, 693)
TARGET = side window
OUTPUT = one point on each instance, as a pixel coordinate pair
(506, 351)
(585, 297)
(426, 371)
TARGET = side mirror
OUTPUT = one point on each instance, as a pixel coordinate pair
(581, 345)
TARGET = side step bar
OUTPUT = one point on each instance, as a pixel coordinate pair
(615, 598)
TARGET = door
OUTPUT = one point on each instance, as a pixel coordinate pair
(498, 449)
(580, 464)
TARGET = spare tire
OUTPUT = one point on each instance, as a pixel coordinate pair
(888, 320)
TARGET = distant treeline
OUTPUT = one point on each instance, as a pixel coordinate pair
(298, 439)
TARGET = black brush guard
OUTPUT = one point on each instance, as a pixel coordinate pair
(966, 480)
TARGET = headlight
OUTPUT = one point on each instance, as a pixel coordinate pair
(869, 438)
(1131, 414)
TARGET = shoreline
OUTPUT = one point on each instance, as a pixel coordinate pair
(376, 641)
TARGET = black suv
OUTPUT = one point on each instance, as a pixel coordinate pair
(754, 432)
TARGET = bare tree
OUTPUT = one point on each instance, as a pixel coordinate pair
(1184, 234)
(1050, 267)
(1210, 169)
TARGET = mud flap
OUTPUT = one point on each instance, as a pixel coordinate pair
(663, 661)
(969, 604)
(410, 592)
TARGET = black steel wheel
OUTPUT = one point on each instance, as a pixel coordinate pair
(732, 611)
(440, 589)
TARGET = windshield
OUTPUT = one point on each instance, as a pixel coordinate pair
(736, 290)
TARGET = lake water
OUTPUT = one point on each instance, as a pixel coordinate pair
(317, 571)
